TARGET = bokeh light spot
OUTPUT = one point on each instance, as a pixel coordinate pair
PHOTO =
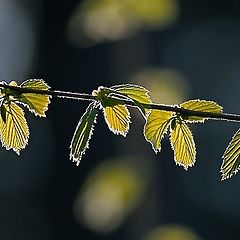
(109, 194)
(172, 232)
(106, 20)
(167, 86)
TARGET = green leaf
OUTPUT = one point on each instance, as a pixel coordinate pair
(36, 103)
(231, 157)
(156, 126)
(183, 145)
(117, 117)
(136, 93)
(14, 130)
(201, 106)
(83, 133)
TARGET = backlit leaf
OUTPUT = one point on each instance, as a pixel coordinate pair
(36, 103)
(156, 126)
(231, 157)
(136, 93)
(83, 133)
(201, 106)
(183, 145)
(117, 118)
(13, 83)
(14, 130)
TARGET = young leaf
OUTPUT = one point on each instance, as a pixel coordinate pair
(201, 106)
(13, 83)
(136, 93)
(14, 130)
(6, 93)
(83, 133)
(156, 126)
(183, 145)
(36, 103)
(117, 118)
(231, 157)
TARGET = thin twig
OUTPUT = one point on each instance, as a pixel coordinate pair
(89, 97)
(63, 94)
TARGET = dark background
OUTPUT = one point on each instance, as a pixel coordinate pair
(39, 188)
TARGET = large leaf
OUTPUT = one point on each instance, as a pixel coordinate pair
(36, 103)
(156, 126)
(136, 93)
(231, 157)
(117, 118)
(83, 133)
(14, 130)
(201, 106)
(183, 145)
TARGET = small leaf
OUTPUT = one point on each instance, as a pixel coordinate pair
(14, 131)
(183, 145)
(231, 157)
(136, 93)
(13, 83)
(201, 106)
(36, 103)
(116, 116)
(83, 133)
(156, 126)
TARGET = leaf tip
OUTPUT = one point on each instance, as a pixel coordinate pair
(75, 159)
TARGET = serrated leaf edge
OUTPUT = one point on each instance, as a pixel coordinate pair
(224, 177)
(78, 160)
(194, 146)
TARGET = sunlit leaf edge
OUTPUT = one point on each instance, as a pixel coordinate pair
(127, 119)
(167, 123)
(192, 145)
(139, 101)
(91, 109)
(3, 126)
(28, 104)
(233, 149)
(124, 87)
(197, 119)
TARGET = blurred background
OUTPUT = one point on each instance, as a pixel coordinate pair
(179, 50)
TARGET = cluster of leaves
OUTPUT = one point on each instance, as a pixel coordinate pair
(114, 102)
(14, 131)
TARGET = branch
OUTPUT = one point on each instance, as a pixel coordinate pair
(54, 93)
(89, 97)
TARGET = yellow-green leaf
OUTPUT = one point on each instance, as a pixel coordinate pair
(231, 157)
(201, 106)
(156, 126)
(183, 145)
(83, 133)
(36, 103)
(14, 130)
(136, 93)
(117, 118)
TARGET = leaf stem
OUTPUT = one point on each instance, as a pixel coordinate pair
(89, 97)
